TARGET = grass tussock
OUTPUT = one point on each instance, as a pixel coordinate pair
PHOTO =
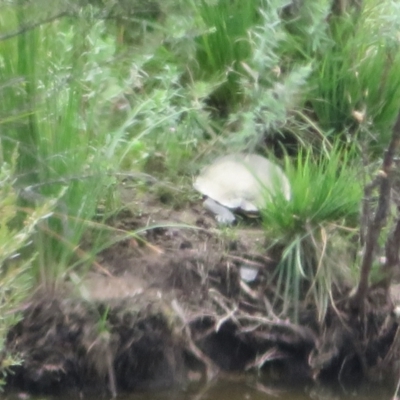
(324, 204)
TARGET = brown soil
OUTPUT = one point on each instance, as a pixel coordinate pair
(168, 306)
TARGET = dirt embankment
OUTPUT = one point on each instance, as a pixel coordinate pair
(184, 305)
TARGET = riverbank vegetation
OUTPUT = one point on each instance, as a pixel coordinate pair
(106, 104)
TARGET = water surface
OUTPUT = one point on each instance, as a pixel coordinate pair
(231, 390)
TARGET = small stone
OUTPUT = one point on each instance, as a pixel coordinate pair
(248, 273)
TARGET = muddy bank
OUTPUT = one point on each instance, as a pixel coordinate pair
(175, 305)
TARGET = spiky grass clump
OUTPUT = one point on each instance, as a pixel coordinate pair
(52, 96)
(224, 45)
(325, 200)
(356, 72)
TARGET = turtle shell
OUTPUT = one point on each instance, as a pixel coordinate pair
(242, 181)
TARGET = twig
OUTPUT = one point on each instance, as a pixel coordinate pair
(395, 397)
(393, 351)
(302, 331)
(251, 293)
(269, 355)
(111, 374)
(246, 261)
(203, 392)
(266, 390)
(77, 250)
(392, 257)
(366, 207)
(375, 227)
(220, 301)
(269, 308)
(340, 7)
(342, 371)
(26, 28)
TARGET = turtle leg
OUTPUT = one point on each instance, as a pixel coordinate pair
(223, 215)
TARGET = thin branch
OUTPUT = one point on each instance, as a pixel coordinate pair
(379, 220)
(341, 7)
(392, 257)
(26, 28)
(366, 208)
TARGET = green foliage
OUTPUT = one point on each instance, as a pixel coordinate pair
(326, 196)
(271, 93)
(317, 76)
(79, 116)
(58, 129)
(16, 278)
(224, 45)
(356, 60)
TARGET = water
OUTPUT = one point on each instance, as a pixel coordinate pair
(228, 389)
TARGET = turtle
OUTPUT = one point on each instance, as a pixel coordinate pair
(240, 182)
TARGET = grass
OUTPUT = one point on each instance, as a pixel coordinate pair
(77, 120)
(355, 68)
(60, 140)
(326, 196)
(224, 45)
(16, 278)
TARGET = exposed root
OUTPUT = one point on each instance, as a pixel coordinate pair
(165, 318)
(211, 369)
